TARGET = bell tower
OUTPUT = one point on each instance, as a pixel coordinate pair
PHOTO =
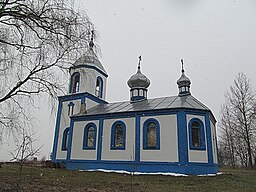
(88, 74)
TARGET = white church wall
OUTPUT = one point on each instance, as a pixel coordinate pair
(214, 143)
(77, 151)
(64, 123)
(87, 80)
(199, 156)
(168, 151)
(119, 155)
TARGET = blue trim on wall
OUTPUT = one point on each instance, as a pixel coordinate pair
(209, 138)
(91, 67)
(113, 138)
(70, 139)
(64, 145)
(100, 135)
(145, 167)
(137, 139)
(80, 96)
(182, 137)
(202, 135)
(145, 135)
(57, 129)
(85, 139)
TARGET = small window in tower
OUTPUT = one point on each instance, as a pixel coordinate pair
(141, 92)
(182, 89)
(135, 93)
(99, 87)
(75, 82)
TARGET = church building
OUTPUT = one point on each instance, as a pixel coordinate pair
(174, 134)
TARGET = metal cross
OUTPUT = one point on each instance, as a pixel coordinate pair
(139, 61)
(182, 65)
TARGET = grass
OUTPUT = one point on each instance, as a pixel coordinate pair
(46, 179)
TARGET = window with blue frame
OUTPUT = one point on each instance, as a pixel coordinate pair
(151, 134)
(118, 135)
(99, 87)
(75, 82)
(197, 136)
(71, 108)
(65, 135)
(89, 141)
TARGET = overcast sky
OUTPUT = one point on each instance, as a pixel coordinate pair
(216, 39)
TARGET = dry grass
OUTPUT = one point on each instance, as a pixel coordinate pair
(46, 179)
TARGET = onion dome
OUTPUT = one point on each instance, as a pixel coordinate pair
(138, 84)
(89, 58)
(183, 83)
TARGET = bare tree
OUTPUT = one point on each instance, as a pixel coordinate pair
(38, 41)
(227, 146)
(239, 120)
(24, 151)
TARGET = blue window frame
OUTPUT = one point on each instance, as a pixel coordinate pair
(89, 141)
(64, 146)
(99, 87)
(151, 134)
(74, 83)
(118, 135)
(71, 108)
(196, 134)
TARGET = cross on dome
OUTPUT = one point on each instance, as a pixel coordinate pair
(183, 82)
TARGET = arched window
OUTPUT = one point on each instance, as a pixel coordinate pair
(99, 87)
(197, 136)
(89, 141)
(151, 134)
(65, 135)
(71, 108)
(118, 135)
(75, 82)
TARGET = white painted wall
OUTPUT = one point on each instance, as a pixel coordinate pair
(119, 155)
(64, 123)
(198, 156)
(168, 140)
(214, 143)
(77, 151)
(88, 80)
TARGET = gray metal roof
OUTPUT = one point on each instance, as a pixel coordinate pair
(90, 58)
(188, 102)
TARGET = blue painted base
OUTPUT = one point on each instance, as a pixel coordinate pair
(145, 167)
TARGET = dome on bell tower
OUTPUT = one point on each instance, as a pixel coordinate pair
(183, 83)
(138, 84)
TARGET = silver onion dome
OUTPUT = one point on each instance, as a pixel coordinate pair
(183, 82)
(138, 80)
